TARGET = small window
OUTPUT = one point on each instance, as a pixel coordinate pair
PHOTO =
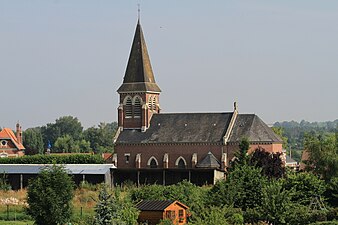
(150, 100)
(127, 157)
(3, 143)
(170, 214)
(153, 163)
(181, 215)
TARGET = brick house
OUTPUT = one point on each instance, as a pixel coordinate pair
(165, 148)
(153, 211)
(10, 143)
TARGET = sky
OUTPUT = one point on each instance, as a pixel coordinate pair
(277, 59)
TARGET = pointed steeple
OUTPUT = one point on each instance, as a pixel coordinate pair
(139, 75)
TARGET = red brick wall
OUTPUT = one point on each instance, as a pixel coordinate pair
(177, 150)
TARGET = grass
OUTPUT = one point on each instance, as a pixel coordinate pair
(16, 222)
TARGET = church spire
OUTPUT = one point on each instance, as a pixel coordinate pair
(139, 75)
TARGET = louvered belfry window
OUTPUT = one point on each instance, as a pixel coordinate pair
(128, 108)
(137, 108)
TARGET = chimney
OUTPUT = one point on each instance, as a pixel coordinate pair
(18, 133)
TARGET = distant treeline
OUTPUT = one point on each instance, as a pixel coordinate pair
(54, 159)
(67, 135)
(296, 132)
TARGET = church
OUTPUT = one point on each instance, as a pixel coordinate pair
(165, 148)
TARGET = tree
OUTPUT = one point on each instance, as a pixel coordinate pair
(66, 125)
(304, 187)
(271, 163)
(280, 132)
(113, 209)
(49, 196)
(32, 139)
(101, 137)
(241, 156)
(323, 152)
(241, 189)
(68, 144)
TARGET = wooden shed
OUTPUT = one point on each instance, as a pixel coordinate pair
(153, 211)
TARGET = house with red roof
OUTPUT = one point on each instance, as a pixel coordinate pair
(10, 143)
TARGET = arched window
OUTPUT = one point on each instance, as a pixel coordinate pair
(137, 107)
(128, 107)
(152, 162)
(154, 104)
(150, 100)
(181, 163)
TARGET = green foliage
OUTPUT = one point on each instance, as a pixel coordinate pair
(241, 189)
(113, 209)
(276, 203)
(4, 185)
(323, 152)
(57, 159)
(33, 141)
(101, 138)
(241, 156)
(271, 163)
(331, 192)
(295, 131)
(49, 196)
(304, 187)
(211, 216)
(68, 144)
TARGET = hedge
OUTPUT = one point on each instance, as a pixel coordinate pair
(57, 159)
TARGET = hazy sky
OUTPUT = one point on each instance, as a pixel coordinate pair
(277, 59)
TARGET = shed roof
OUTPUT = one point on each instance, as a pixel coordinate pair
(71, 168)
(156, 205)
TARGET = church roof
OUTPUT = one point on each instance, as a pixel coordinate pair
(252, 127)
(139, 74)
(180, 128)
(8, 134)
(209, 161)
(199, 128)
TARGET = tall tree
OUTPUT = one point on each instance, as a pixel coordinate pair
(33, 141)
(323, 153)
(49, 196)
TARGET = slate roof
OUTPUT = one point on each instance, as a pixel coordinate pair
(8, 134)
(209, 161)
(180, 128)
(252, 127)
(139, 74)
(289, 160)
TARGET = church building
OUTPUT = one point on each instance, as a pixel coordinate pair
(165, 148)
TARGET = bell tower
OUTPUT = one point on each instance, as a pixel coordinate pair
(139, 93)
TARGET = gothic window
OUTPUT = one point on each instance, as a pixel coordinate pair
(137, 107)
(152, 162)
(128, 107)
(181, 163)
